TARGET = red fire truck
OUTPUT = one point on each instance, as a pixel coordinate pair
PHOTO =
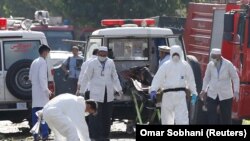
(205, 30)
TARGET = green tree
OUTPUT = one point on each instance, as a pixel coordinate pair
(91, 12)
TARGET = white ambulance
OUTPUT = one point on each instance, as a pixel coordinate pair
(17, 51)
(133, 43)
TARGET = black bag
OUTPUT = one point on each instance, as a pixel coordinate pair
(79, 63)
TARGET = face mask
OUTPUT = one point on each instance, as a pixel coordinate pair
(102, 59)
(86, 114)
(176, 58)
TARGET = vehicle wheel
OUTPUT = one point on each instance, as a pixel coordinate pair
(17, 79)
(199, 115)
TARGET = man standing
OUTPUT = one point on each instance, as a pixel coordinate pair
(83, 69)
(217, 83)
(103, 79)
(163, 54)
(174, 77)
(65, 116)
(72, 68)
(40, 93)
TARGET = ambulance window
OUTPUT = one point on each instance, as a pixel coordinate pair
(19, 50)
(92, 44)
(129, 49)
(176, 41)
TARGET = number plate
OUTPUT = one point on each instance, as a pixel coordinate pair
(21, 105)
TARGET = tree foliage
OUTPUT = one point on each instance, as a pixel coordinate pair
(90, 12)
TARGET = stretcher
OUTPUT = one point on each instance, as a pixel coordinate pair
(142, 102)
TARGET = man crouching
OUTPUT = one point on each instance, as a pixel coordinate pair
(65, 115)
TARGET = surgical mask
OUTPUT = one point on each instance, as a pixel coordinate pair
(176, 58)
(86, 114)
(102, 59)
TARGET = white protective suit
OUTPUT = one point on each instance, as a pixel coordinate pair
(174, 75)
(220, 84)
(38, 75)
(65, 115)
(97, 82)
(83, 69)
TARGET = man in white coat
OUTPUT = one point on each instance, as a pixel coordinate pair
(40, 93)
(65, 116)
(103, 80)
(83, 69)
(174, 76)
(217, 83)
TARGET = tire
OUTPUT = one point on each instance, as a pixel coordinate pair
(199, 115)
(17, 79)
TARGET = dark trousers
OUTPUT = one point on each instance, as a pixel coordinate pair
(225, 111)
(44, 127)
(99, 125)
(73, 85)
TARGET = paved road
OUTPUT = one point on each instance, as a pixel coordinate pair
(20, 132)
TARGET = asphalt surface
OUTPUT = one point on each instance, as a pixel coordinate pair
(20, 132)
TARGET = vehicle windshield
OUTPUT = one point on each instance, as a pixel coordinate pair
(129, 49)
(55, 38)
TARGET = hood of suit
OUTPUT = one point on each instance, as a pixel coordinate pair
(176, 49)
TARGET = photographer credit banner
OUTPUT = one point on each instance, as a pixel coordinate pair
(204, 132)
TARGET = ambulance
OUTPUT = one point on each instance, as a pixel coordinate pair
(133, 43)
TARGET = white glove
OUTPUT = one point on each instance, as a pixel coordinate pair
(236, 96)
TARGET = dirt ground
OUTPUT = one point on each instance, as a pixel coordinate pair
(20, 132)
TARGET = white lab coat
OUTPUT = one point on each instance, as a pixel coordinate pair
(39, 78)
(220, 84)
(83, 69)
(98, 83)
(65, 115)
(174, 75)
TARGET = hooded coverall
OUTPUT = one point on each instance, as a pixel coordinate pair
(65, 116)
(172, 75)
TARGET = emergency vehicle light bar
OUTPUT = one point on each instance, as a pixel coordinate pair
(120, 22)
(3, 23)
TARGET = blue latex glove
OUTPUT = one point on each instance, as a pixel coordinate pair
(193, 99)
(153, 95)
